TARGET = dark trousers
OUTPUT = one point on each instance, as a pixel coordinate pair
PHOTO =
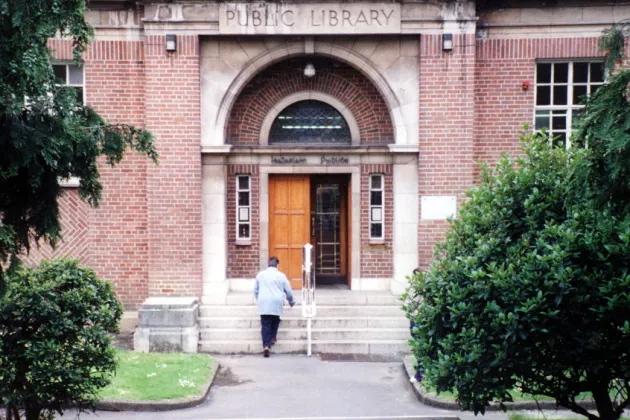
(269, 330)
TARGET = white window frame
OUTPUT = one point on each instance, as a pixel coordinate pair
(247, 208)
(67, 81)
(571, 107)
(376, 210)
(72, 182)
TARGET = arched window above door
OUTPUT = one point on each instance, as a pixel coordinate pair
(310, 122)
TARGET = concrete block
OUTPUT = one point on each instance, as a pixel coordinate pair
(190, 339)
(168, 324)
(167, 318)
(165, 341)
(141, 340)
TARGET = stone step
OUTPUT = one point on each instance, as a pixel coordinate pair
(319, 334)
(299, 322)
(327, 298)
(389, 347)
(322, 310)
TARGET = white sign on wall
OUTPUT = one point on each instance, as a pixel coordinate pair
(309, 18)
(438, 207)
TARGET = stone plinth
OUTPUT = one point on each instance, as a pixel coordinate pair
(167, 324)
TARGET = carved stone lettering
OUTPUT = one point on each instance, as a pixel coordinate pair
(334, 160)
(287, 160)
(309, 18)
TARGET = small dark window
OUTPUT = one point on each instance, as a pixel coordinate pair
(312, 122)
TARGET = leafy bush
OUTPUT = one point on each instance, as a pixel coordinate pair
(55, 348)
(530, 290)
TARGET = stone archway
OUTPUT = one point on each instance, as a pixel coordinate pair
(337, 83)
(337, 52)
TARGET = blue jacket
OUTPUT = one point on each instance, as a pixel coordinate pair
(270, 290)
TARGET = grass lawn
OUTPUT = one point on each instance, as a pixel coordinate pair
(157, 376)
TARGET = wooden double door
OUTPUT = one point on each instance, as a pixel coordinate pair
(310, 209)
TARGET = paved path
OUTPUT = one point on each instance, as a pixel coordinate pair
(289, 386)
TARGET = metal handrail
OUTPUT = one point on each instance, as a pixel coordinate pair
(309, 308)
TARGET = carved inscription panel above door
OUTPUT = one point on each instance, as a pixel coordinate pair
(309, 19)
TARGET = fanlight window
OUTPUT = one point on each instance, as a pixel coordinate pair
(312, 122)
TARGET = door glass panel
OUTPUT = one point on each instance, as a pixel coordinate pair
(328, 229)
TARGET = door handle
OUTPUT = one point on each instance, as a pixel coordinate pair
(313, 226)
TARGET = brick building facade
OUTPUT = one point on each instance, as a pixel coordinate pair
(366, 158)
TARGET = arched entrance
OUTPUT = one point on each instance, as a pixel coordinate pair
(310, 137)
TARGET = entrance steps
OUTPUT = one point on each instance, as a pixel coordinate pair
(346, 322)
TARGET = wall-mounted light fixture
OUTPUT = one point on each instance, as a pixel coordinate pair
(171, 42)
(309, 70)
(447, 42)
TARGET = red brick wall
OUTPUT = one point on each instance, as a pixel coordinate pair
(74, 215)
(377, 258)
(174, 187)
(113, 237)
(118, 228)
(343, 82)
(243, 260)
(502, 107)
(446, 127)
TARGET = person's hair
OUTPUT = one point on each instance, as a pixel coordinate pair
(273, 262)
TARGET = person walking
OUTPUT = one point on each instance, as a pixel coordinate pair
(270, 290)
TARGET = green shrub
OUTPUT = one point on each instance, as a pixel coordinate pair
(530, 290)
(55, 349)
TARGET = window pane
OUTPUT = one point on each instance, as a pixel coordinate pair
(561, 72)
(580, 72)
(597, 72)
(376, 214)
(75, 75)
(243, 214)
(543, 95)
(542, 120)
(376, 182)
(376, 230)
(243, 198)
(559, 122)
(60, 72)
(243, 231)
(579, 94)
(376, 198)
(559, 95)
(543, 73)
(594, 89)
(309, 122)
(243, 183)
(79, 92)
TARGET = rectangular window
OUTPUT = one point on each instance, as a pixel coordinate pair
(377, 198)
(561, 92)
(243, 207)
(71, 75)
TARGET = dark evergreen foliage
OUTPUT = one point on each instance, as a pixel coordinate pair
(46, 134)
